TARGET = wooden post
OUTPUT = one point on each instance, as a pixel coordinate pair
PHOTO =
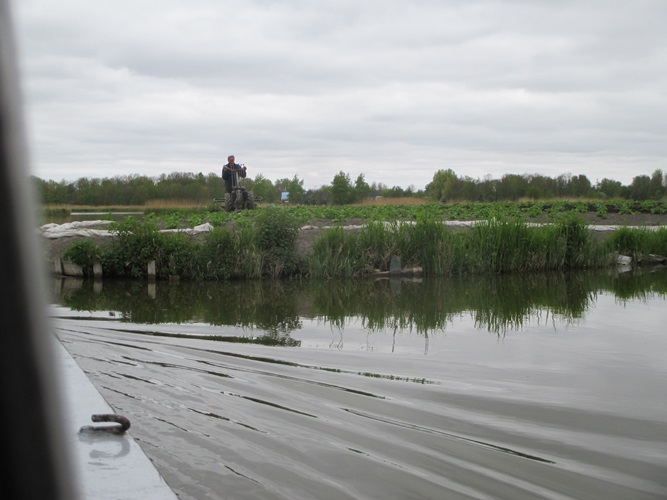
(71, 269)
(395, 265)
(97, 270)
(58, 262)
(151, 271)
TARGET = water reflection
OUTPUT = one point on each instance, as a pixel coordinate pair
(553, 412)
(497, 303)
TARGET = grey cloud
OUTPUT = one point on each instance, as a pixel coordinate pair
(488, 86)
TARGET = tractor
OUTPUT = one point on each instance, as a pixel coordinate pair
(239, 198)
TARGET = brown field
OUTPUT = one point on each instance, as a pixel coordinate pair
(149, 204)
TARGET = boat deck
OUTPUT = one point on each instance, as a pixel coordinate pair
(106, 465)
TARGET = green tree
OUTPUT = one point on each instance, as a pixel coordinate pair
(580, 186)
(361, 188)
(341, 189)
(512, 187)
(441, 188)
(296, 192)
(321, 196)
(610, 188)
(640, 189)
(264, 189)
(657, 185)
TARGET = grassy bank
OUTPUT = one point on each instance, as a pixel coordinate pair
(264, 245)
(495, 246)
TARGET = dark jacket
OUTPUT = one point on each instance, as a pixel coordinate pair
(228, 177)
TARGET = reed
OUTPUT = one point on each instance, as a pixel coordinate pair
(637, 242)
(495, 246)
(376, 243)
(334, 255)
(265, 246)
(250, 260)
(48, 212)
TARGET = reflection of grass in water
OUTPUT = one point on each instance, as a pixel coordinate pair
(497, 303)
(641, 285)
(272, 340)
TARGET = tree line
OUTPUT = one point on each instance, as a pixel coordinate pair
(446, 186)
(138, 189)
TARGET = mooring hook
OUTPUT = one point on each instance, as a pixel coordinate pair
(108, 417)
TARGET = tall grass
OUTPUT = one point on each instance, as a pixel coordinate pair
(496, 246)
(334, 255)
(637, 242)
(265, 246)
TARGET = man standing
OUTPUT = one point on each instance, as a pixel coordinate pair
(228, 172)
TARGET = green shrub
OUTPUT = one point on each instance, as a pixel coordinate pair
(176, 255)
(276, 232)
(136, 244)
(83, 253)
(219, 255)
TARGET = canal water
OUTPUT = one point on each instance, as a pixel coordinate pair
(540, 386)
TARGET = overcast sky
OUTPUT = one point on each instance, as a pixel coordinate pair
(393, 89)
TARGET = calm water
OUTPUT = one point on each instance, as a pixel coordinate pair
(548, 386)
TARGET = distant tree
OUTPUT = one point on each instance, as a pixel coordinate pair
(640, 189)
(216, 186)
(282, 186)
(321, 196)
(361, 188)
(445, 186)
(393, 192)
(467, 188)
(264, 189)
(297, 193)
(512, 187)
(377, 188)
(52, 192)
(562, 183)
(657, 185)
(342, 191)
(139, 189)
(441, 188)
(610, 188)
(541, 187)
(488, 189)
(580, 186)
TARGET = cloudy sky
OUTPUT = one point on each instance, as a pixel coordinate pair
(393, 89)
